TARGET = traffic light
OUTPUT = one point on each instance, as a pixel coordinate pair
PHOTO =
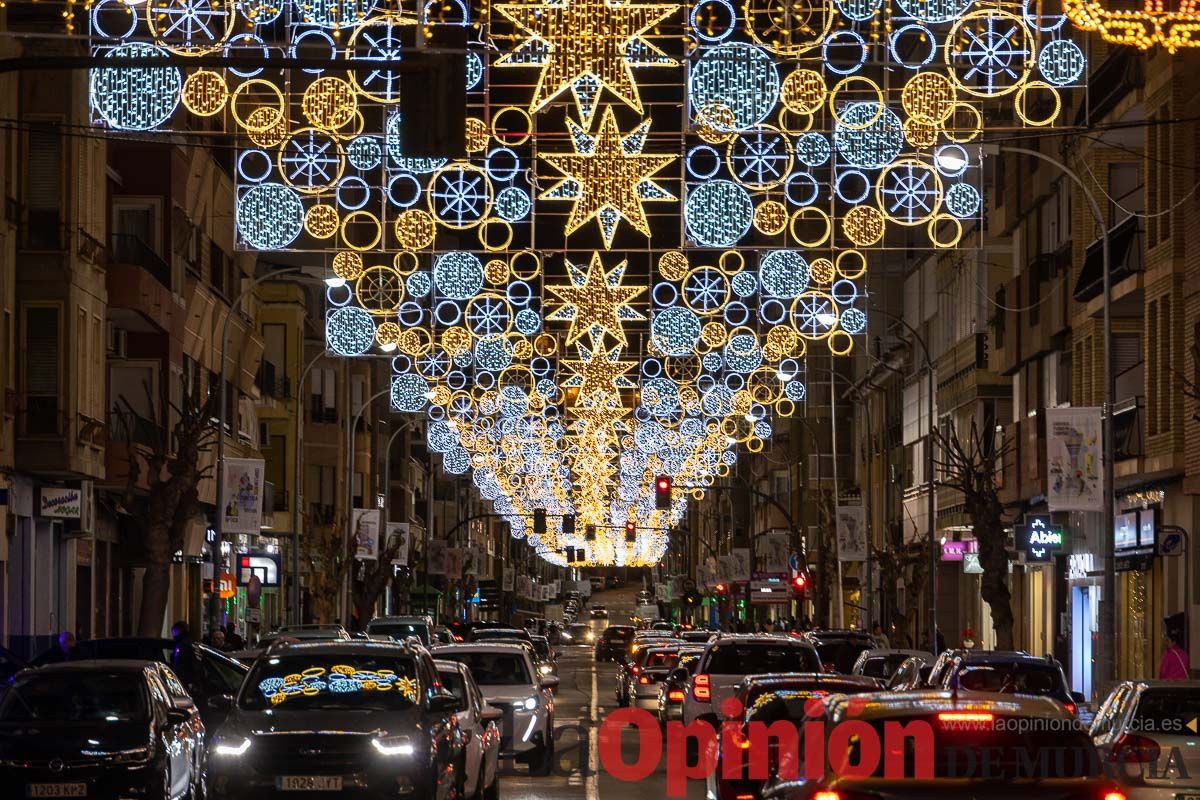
(799, 582)
(630, 532)
(721, 590)
(662, 493)
(539, 520)
(568, 528)
(590, 533)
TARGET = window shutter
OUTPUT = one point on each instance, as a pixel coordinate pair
(41, 350)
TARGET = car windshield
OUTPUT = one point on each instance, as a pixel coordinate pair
(400, 630)
(841, 654)
(619, 634)
(344, 681)
(748, 658)
(660, 659)
(75, 697)
(774, 704)
(1007, 747)
(492, 669)
(454, 683)
(1036, 679)
(883, 666)
(1168, 711)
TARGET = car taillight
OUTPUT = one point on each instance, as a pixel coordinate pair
(1115, 795)
(1134, 749)
(1070, 707)
(827, 796)
(644, 679)
(701, 689)
(675, 695)
(965, 718)
(635, 669)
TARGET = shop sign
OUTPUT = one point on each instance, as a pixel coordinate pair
(60, 503)
(956, 551)
(1135, 539)
(1038, 539)
(226, 586)
(264, 566)
(971, 565)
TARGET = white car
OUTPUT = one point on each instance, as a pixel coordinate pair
(1144, 727)
(884, 662)
(478, 721)
(729, 658)
(508, 679)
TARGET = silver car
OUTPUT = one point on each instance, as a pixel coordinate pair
(1149, 729)
(478, 721)
(729, 658)
(883, 663)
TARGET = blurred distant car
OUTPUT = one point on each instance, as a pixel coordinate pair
(611, 644)
(547, 659)
(696, 637)
(443, 635)
(672, 687)
(597, 583)
(598, 612)
(1143, 726)
(883, 663)
(637, 681)
(400, 628)
(581, 634)
(498, 634)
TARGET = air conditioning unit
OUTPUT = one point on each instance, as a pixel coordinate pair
(118, 341)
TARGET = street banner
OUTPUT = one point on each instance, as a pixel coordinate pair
(852, 533)
(365, 524)
(240, 503)
(470, 562)
(399, 533)
(740, 564)
(454, 562)
(506, 580)
(437, 557)
(1074, 459)
(773, 551)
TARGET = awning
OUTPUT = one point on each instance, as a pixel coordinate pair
(1125, 259)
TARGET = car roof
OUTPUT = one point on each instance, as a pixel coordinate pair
(885, 704)
(483, 647)
(839, 634)
(401, 618)
(97, 664)
(765, 638)
(344, 647)
(1164, 684)
(450, 665)
(883, 652)
(768, 678)
(971, 657)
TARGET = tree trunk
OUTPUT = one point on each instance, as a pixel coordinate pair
(156, 586)
(993, 557)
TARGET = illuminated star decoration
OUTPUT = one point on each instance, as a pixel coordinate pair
(598, 372)
(596, 302)
(586, 45)
(608, 177)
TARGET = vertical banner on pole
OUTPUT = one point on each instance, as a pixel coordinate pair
(240, 503)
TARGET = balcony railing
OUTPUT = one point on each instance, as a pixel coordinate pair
(272, 384)
(129, 249)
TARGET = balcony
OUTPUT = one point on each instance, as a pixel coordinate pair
(1118, 75)
(1125, 254)
(1129, 439)
(271, 384)
(125, 248)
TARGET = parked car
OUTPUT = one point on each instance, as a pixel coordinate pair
(1145, 725)
(400, 628)
(883, 663)
(731, 657)
(370, 717)
(210, 677)
(1008, 672)
(637, 681)
(774, 698)
(611, 645)
(443, 635)
(983, 746)
(508, 680)
(912, 674)
(100, 728)
(840, 649)
(673, 686)
(478, 722)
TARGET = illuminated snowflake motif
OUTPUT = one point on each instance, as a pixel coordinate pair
(460, 197)
(760, 157)
(310, 160)
(910, 192)
(994, 54)
(814, 315)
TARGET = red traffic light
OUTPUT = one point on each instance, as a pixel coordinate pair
(630, 532)
(664, 483)
(720, 587)
(799, 582)
(662, 493)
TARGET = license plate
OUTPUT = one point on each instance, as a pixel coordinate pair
(309, 783)
(56, 790)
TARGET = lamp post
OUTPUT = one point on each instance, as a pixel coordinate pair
(222, 410)
(297, 467)
(347, 533)
(387, 477)
(1108, 609)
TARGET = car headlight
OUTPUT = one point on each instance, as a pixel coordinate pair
(591, 637)
(529, 703)
(545, 669)
(394, 746)
(232, 749)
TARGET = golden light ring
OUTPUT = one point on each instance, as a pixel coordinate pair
(485, 230)
(338, 152)
(911, 164)
(504, 136)
(387, 19)
(354, 217)
(525, 271)
(784, 407)
(844, 263)
(240, 94)
(842, 86)
(802, 215)
(955, 227)
(840, 343)
(971, 21)
(379, 290)
(731, 254)
(405, 262)
(1022, 101)
(953, 131)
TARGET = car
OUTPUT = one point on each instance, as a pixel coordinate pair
(771, 698)
(340, 716)
(696, 636)
(882, 663)
(1010, 672)
(498, 634)
(210, 676)
(597, 583)
(731, 657)
(546, 658)
(663, 625)
(598, 612)
(977, 745)
(101, 728)
(642, 640)
(1145, 726)
(508, 680)
(611, 645)
(400, 628)
(637, 681)
(672, 687)
(580, 634)
(443, 635)
(478, 722)
(912, 674)
(290, 634)
(840, 649)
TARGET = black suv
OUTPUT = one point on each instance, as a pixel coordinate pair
(1009, 672)
(368, 718)
(612, 644)
(839, 649)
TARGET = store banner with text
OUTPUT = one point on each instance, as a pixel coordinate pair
(1074, 459)
(852, 533)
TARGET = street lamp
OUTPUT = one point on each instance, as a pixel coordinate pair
(1108, 611)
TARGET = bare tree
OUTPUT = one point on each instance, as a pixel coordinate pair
(164, 509)
(373, 580)
(968, 465)
(327, 556)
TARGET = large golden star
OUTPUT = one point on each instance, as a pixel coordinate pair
(608, 177)
(595, 302)
(599, 375)
(585, 45)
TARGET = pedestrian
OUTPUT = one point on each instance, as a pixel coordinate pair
(232, 640)
(881, 639)
(62, 651)
(940, 639)
(218, 640)
(1174, 661)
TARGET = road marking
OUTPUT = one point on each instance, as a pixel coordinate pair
(593, 781)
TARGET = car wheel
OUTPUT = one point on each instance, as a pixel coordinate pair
(541, 761)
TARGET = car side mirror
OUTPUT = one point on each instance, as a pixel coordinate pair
(490, 713)
(220, 702)
(548, 682)
(443, 703)
(680, 675)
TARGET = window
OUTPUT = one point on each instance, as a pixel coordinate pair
(319, 492)
(1162, 321)
(1125, 192)
(1159, 175)
(41, 378)
(323, 390)
(44, 191)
